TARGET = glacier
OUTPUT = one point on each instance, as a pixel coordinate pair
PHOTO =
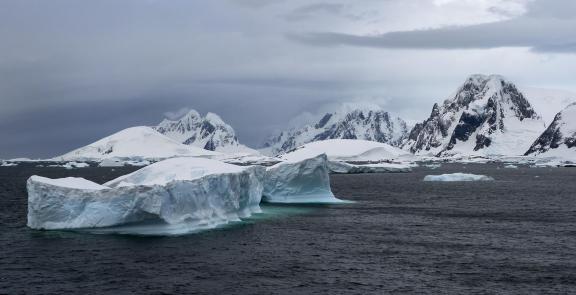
(176, 196)
(458, 177)
(302, 181)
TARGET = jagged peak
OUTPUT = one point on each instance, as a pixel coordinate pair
(481, 78)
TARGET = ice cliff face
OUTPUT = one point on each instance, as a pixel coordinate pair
(351, 121)
(191, 192)
(306, 181)
(174, 196)
(486, 116)
(559, 139)
(209, 132)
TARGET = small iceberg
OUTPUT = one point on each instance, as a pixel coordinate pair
(347, 168)
(305, 181)
(181, 194)
(458, 177)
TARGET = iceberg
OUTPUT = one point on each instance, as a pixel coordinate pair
(347, 168)
(305, 181)
(458, 177)
(186, 194)
(71, 165)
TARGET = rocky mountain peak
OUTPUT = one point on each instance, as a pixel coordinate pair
(348, 121)
(481, 117)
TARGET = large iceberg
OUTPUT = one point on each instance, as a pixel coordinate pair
(305, 181)
(188, 193)
(457, 177)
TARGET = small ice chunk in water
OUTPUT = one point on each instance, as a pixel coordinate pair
(458, 177)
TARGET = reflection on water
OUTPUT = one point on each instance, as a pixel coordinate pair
(159, 228)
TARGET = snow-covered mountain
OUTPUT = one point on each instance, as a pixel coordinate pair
(548, 102)
(209, 132)
(349, 121)
(134, 143)
(559, 139)
(488, 115)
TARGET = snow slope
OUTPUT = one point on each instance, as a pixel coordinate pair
(346, 150)
(487, 116)
(559, 139)
(548, 102)
(350, 121)
(134, 143)
(209, 132)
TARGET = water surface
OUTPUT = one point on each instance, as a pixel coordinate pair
(515, 235)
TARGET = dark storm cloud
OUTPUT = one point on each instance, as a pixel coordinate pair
(547, 27)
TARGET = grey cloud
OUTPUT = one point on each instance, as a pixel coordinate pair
(312, 10)
(255, 3)
(546, 28)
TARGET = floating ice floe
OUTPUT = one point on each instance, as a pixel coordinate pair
(8, 164)
(70, 165)
(117, 162)
(347, 168)
(433, 166)
(303, 181)
(511, 166)
(458, 177)
(174, 196)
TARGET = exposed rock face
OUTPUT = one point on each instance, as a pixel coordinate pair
(487, 115)
(209, 132)
(351, 121)
(559, 137)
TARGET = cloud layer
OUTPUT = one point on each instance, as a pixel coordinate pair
(74, 71)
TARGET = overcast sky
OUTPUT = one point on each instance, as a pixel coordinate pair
(73, 71)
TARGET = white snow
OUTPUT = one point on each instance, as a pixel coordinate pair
(194, 130)
(565, 129)
(69, 182)
(512, 137)
(548, 102)
(136, 143)
(346, 150)
(173, 170)
(8, 164)
(457, 177)
(358, 119)
(172, 195)
(305, 181)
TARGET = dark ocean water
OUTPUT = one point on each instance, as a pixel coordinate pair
(516, 235)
